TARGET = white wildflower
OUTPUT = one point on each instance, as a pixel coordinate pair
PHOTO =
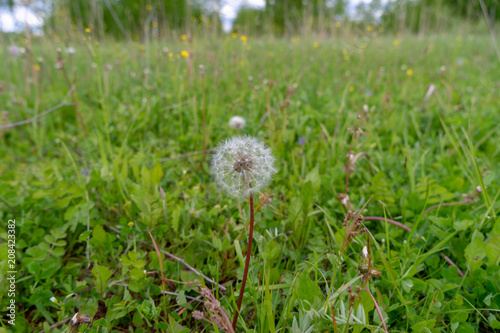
(364, 252)
(237, 122)
(53, 299)
(70, 50)
(242, 165)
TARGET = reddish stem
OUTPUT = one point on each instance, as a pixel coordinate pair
(378, 309)
(376, 218)
(247, 264)
(449, 261)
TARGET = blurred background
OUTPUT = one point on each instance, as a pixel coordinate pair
(134, 19)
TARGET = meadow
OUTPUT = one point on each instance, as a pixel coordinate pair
(110, 166)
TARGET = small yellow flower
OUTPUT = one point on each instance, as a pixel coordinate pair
(243, 38)
(316, 44)
(409, 72)
(271, 54)
(459, 39)
(364, 45)
(149, 7)
(155, 24)
(87, 30)
(345, 52)
(185, 54)
(142, 48)
(170, 54)
(130, 224)
(346, 58)
(234, 34)
(337, 24)
(183, 37)
(369, 28)
(36, 67)
(351, 88)
(395, 42)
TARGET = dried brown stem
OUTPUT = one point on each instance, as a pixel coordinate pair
(175, 258)
(463, 202)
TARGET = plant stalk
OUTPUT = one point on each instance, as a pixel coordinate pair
(247, 264)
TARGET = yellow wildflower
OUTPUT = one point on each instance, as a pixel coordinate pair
(149, 7)
(130, 224)
(316, 44)
(234, 34)
(183, 37)
(185, 54)
(243, 38)
(409, 72)
(395, 42)
(459, 38)
(351, 88)
(337, 24)
(369, 28)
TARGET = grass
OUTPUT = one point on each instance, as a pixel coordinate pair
(74, 187)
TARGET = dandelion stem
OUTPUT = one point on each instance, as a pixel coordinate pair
(378, 309)
(247, 264)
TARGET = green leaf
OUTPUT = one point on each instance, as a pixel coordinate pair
(493, 251)
(175, 219)
(306, 289)
(407, 285)
(84, 235)
(314, 178)
(462, 225)
(474, 253)
(421, 326)
(102, 275)
(98, 234)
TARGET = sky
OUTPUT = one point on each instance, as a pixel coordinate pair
(14, 21)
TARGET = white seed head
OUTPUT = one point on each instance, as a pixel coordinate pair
(237, 122)
(242, 165)
(70, 50)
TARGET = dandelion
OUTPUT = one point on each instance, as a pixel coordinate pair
(243, 38)
(149, 7)
(316, 44)
(337, 24)
(237, 122)
(87, 30)
(409, 72)
(459, 39)
(183, 37)
(185, 54)
(369, 28)
(234, 35)
(130, 224)
(395, 42)
(242, 166)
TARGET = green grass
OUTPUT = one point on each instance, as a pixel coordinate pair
(146, 112)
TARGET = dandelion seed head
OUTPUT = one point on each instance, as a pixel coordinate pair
(237, 122)
(70, 50)
(242, 165)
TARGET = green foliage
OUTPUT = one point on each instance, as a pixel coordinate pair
(83, 202)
